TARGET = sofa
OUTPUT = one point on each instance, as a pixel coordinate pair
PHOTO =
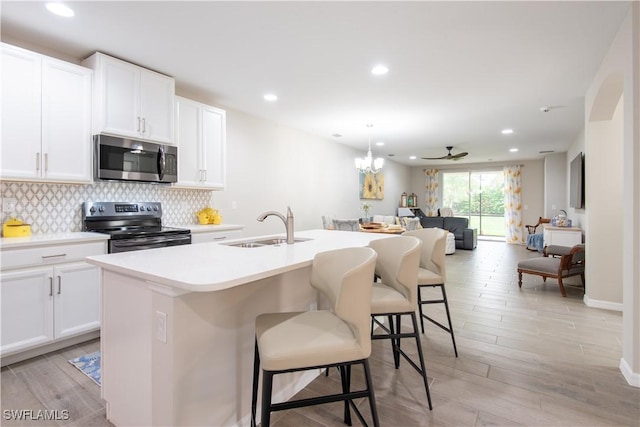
(465, 237)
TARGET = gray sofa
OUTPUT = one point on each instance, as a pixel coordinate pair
(466, 238)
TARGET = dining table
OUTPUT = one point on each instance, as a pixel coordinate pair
(382, 228)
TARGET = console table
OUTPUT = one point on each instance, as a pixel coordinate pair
(562, 236)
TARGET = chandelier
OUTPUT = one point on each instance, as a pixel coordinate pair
(368, 164)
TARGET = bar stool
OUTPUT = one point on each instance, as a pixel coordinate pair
(396, 296)
(432, 273)
(298, 341)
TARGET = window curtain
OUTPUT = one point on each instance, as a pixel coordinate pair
(513, 204)
(431, 192)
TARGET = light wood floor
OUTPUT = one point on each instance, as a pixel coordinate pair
(526, 357)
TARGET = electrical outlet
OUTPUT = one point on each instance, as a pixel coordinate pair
(161, 326)
(234, 205)
(9, 204)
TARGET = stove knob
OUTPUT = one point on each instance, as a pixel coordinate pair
(155, 208)
(92, 210)
(101, 209)
(148, 208)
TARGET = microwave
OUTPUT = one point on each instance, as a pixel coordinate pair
(123, 159)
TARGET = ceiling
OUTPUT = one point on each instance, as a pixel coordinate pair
(459, 72)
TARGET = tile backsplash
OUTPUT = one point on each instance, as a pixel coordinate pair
(53, 208)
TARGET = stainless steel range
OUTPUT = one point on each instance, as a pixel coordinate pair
(132, 226)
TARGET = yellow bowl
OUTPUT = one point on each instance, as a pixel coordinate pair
(12, 230)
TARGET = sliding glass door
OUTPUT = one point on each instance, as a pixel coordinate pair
(478, 196)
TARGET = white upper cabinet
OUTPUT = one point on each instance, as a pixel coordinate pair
(201, 140)
(131, 101)
(46, 118)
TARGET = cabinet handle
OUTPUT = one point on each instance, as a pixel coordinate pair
(220, 238)
(50, 286)
(37, 161)
(46, 162)
(53, 256)
(59, 285)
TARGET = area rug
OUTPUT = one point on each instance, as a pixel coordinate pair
(89, 364)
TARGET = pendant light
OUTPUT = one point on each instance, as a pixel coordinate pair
(368, 164)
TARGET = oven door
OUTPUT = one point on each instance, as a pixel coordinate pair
(133, 160)
(140, 243)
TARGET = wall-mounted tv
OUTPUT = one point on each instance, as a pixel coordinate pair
(576, 182)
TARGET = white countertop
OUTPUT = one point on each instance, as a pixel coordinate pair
(213, 266)
(51, 239)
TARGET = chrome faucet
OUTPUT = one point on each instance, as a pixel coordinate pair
(288, 222)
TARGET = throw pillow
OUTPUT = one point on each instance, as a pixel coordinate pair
(411, 224)
(346, 224)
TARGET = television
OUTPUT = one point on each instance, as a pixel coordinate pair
(576, 182)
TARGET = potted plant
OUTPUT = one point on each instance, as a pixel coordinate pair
(366, 207)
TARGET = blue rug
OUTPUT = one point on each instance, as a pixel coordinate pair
(89, 364)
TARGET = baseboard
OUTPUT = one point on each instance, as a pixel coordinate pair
(607, 305)
(633, 378)
(47, 348)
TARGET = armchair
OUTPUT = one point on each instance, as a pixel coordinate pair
(532, 228)
(558, 262)
(534, 239)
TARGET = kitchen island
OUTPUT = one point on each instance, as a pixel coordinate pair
(178, 325)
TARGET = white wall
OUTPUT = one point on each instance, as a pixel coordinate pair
(620, 72)
(555, 178)
(603, 185)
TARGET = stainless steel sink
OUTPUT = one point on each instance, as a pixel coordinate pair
(259, 243)
(279, 241)
(245, 245)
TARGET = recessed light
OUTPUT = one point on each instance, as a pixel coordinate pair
(337, 135)
(379, 143)
(412, 157)
(513, 150)
(379, 70)
(270, 97)
(60, 9)
(507, 131)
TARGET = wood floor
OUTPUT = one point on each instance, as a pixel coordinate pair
(526, 357)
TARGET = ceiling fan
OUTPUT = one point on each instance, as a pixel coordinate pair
(448, 156)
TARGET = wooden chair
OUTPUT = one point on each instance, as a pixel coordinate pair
(532, 228)
(558, 262)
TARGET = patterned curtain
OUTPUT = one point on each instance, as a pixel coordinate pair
(431, 192)
(513, 204)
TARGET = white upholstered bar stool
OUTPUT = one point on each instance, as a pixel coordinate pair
(298, 341)
(433, 273)
(395, 296)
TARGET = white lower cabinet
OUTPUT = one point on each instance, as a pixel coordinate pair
(76, 306)
(27, 309)
(215, 236)
(44, 304)
(562, 236)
